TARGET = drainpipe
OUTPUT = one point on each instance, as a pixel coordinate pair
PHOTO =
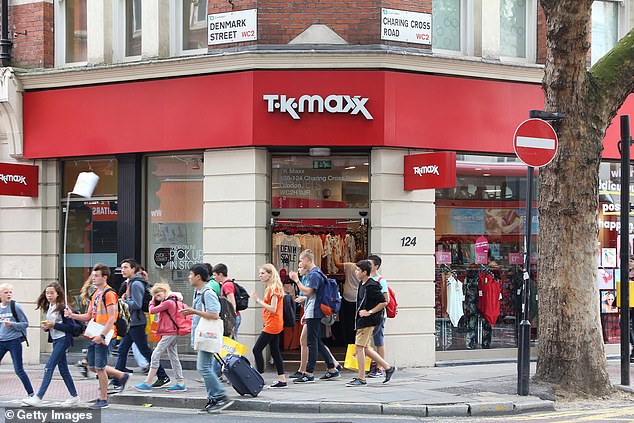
(5, 42)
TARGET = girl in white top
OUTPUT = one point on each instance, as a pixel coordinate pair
(59, 330)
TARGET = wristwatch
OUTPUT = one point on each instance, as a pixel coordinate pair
(102, 336)
(370, 311)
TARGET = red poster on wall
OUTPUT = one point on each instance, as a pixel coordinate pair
(20, 180)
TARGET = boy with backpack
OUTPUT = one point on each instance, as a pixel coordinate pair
(237, 296)
(134, 298)
(103, 310)
(171, 325)
(378, 335)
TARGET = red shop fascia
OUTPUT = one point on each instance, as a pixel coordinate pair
(350, 108)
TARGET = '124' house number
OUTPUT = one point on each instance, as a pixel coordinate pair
(408, 241)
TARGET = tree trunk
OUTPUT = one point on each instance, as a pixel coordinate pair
(571, 353)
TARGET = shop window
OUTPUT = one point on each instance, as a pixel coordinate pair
(449, 23)
(71, 40)
(480, 227)
(320, 182)
(605, 27)
(174, 222)
(190, 27)
(518, 27)
(92, 226)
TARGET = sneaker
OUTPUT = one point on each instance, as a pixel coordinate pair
(160, 382)
(177, 388)
(200, 380)
(376, 373)
(296, 375)
(279, 384)
(122, 382)
(70, 402)
(388, 374)
(33, 401)
(339, 367)
(99, 404)
(331, 376)
(143, 387)
(356, 382)
(217, 404)
(126, 370)
(145, 369)
(305, 379)
(83, 369)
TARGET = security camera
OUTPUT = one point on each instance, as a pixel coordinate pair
(363, 213)
(275, 213)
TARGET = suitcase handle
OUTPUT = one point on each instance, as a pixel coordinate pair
(220, 359)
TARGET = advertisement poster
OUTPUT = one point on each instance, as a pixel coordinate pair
(608, 257)
(605, 278)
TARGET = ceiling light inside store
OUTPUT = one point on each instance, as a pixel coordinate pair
(366, 164)
(486, 174)
(492, 190)
(350, 167)
(319, 151)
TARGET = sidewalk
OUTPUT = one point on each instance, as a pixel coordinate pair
(464, 390)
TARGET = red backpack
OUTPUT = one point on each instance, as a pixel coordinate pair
(392, 307)
(183, 323)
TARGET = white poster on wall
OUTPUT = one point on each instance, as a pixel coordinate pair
(232, 27)
(405, 26)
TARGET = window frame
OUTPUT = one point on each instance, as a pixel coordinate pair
(466, 32)
(119, 27)
(531, 36)
(623, 12)
(59, 12)
(176, 30)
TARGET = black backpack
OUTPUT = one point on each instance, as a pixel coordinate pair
(77, 326)
(15, 316)
(290, 307)
(123, 320)
(147, 297)
(228, 316)
(241, 296)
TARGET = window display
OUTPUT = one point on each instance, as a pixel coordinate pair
(480, 229)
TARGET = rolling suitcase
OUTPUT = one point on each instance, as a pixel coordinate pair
(242, 376)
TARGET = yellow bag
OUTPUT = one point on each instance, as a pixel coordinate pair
(351, 359)
(231, 346)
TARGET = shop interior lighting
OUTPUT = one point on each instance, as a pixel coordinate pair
(319, 152)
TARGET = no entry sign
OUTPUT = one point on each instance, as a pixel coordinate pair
(535, 142)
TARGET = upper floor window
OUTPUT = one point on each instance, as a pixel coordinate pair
(605, 27)
(518, 27)
(71, 41)
(447, 32)
(133, 28)
(190, 27)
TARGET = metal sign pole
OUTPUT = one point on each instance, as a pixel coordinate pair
(625, 142)
(523, 351)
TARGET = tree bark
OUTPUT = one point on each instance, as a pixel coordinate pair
(570, 353)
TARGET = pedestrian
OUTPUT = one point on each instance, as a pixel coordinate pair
(349, 297)
(378, 336)
(104, 311)
(370, 305)
(12, 331)
(211, 282)
(228, 290)
(164, 304)
(136, 353)
(87, 289)
(131, 270)
(59, 330)
(303, 347)
(272, 309)
(206, 305)
(312, 315)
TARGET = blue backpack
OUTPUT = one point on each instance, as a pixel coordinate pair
(329, 298)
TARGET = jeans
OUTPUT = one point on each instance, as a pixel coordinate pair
(378, 335)
(136, 334)
(204, 367)
(14, 347)
(58, 358)
(314, 344)
(347, 316)
(138, 357)
(273, 342)
(97, 356)
(238, 321)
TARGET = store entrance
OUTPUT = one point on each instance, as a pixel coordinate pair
(337, 244)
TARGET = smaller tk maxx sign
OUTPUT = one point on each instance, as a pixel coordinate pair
(404, 26)
(232, 27)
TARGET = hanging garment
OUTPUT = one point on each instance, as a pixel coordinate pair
(286, 250)
(455, 299)
(489, 297)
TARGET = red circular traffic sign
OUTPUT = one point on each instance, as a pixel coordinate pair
(535, 142)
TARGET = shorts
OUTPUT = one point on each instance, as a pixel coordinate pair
(97, 356)
(363, 336)
(378, 335)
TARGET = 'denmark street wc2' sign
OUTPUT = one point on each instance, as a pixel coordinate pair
(232, 27)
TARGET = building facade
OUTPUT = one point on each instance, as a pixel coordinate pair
(222, 131)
